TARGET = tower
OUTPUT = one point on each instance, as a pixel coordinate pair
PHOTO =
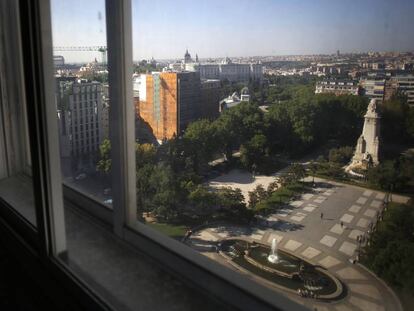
(187, 57)
(367, 148)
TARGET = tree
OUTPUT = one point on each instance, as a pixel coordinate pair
(253, 199)
(409, 124)
(297, 171)
(203, 201)
(144, 189)
(393, 175)
(203, 140)
(286, 179)
(393, 123)
(313, 167)
(257, 195)
(238, 125)
(254, 152)
(391, 251)
(232, 204)
(272, 187)
(105, 162)
(144, 154)
(168, 197)
(341, 155)
(278, 127)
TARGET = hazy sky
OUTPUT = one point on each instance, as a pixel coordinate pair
(218, 28)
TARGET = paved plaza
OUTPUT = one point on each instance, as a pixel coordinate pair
(243, 180)
(323, 227)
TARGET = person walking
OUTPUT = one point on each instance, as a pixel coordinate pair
(321, 215)
(342, 224)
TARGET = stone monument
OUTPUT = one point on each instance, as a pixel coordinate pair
(367, 149)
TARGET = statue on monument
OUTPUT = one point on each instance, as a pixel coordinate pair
(367, 148)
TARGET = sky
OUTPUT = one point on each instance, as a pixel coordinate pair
(163, 29)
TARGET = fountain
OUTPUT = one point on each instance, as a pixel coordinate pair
(273, 253)
(281, 268)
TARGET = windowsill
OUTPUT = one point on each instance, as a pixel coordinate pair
(128, 279)
(18, 192)
(124, 277)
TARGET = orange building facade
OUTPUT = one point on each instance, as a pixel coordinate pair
(169, 101)
(159, 105)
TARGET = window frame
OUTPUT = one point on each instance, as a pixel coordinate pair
(211, 277)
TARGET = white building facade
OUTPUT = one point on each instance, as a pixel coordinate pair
(405, 84)
(337, 87)
(373, 88)
(80, 107)
(226, 70)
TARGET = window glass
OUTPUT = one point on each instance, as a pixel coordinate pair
(255, 121)
(79, 45)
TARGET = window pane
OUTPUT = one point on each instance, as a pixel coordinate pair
(122, 277)
(236, 109)
(79, 44)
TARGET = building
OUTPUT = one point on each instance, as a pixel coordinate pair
(390, 88)
(169, 101)
(207, 71)
(405, 85)
(187, 57)
(337, 87)
(373, 88)
(373, 65)
(234, 99)
(210, 98)
(245, 94)
(58, 60)
(105, 112)
(234, 72)
(367, 149)
(229, 102)
(226, 70)
(79, 109)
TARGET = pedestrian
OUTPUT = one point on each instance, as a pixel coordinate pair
(342, 224)
(321, 215)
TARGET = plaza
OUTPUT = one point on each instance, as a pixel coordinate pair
(323, 227)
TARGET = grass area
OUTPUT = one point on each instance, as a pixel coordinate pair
(281, 197)
(171, 230)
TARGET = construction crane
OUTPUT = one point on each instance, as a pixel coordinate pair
(98, 48)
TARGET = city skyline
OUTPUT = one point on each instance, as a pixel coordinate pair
(239, 29)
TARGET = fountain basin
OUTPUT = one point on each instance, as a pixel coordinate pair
(288, 272)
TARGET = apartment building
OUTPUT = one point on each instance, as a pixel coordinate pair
(169, 101)
(337, 87)
(80, 119)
